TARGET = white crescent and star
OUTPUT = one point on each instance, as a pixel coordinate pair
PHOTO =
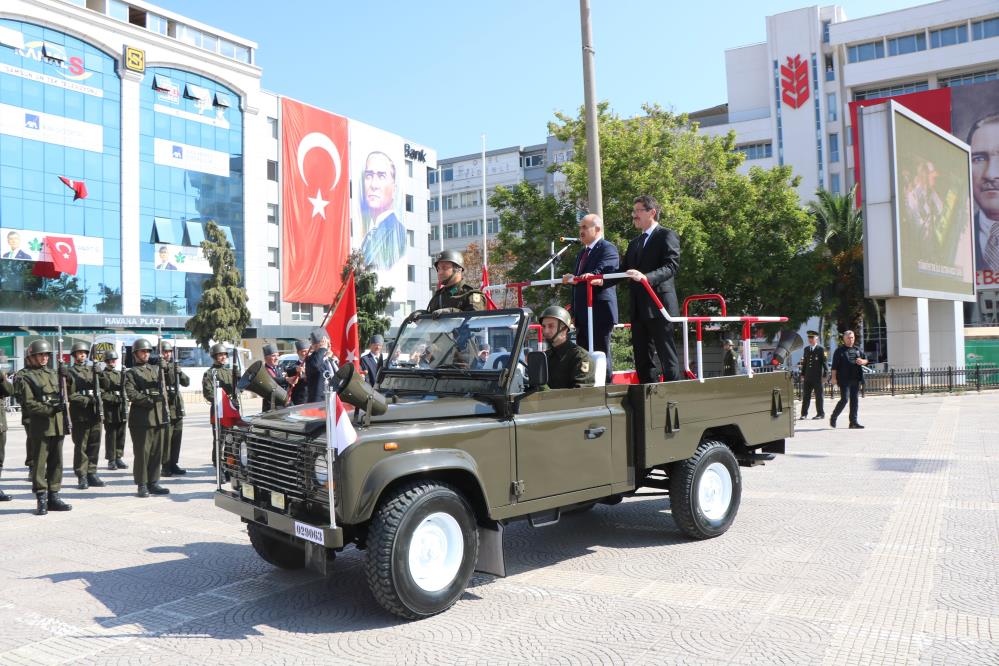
(346, 334)
(65, 252)
(318, 140)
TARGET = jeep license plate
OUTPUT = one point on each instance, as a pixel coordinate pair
(309, 533)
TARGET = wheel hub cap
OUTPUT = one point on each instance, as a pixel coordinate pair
(435, 551)
(714, 492)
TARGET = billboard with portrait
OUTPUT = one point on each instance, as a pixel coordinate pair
(379, 178)
(933, 202)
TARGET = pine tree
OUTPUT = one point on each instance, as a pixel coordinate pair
(372, 300)
(222, 313)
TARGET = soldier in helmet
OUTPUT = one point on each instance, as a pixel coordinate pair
(115, 409)
(454, 295)
(6, 389)
(175, 378)
(218, 372)
(569, 365)
(148, 420)
(83, 411)
(40, 398)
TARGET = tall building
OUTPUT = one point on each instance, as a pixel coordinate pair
(163, 121)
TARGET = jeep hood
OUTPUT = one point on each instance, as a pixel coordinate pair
(310, 419)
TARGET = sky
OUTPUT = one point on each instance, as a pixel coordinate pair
(443, 72)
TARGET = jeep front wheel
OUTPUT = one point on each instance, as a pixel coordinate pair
(705, 491)
(273, 549)
(422, 546)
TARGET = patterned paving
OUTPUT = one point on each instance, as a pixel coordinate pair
(878, 546)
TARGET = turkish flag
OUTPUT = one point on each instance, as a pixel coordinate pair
(341, 433)
(230, 415)
(63, 253)
(78, 186)
(45, 269)
(316, 196)
(342, 327)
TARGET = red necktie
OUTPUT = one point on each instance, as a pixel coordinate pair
(582, 260)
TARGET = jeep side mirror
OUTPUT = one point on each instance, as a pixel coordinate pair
(537, 369)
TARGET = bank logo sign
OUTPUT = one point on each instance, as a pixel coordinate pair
(48, 128)
(794, 81)
(191, 158)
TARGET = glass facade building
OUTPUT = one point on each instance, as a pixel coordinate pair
(191, 172)
(60, 113)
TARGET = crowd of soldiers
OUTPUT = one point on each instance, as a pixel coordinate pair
(95, 401)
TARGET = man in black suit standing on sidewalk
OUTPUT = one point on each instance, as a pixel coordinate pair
(655, 255)
(598, 257)
(813, 372)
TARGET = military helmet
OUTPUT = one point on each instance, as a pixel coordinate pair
(80, 346)
(110, 355)
(450, 255)
(218, 348)
(39, 347)
(557, 312)
(166, 346)
(141, 344)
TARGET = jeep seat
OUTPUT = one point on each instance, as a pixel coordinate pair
(599, 368)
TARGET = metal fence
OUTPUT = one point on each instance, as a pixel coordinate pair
(920, 380)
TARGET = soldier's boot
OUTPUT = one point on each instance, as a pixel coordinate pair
(166, 471)
(95, 481)
(157, 489)
(112, 466)
(120, 464)
(43, 503)
(56, 503)
(178, 470)
(31, 473)
(143, 491)
(4, 497)
(82, 483)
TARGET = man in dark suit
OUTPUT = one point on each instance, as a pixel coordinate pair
(320, 365)
(813, 371)
(654, 255)
(598, 257)
(371, 360)
(297, 382)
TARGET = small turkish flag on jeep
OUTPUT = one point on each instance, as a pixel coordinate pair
(62, 251)
(78, 186)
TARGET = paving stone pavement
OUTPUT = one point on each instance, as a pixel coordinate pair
(876, 546)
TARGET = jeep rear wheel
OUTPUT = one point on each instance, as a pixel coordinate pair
(705, 491)
(422, 546)
(274, 549)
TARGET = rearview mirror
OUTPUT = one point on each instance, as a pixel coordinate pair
(537, 368)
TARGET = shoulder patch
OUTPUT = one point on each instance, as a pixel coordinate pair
(475, 298)
(585, 366)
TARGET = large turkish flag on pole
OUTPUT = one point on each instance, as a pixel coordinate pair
(316, 199)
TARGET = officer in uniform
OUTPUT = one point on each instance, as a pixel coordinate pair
(271, 356)
(730, 360)
(40, 397)
(148, 420)
(813, 372)
(83, 412)
(454, 295)
(569, 365)
(6, 389)
(223, 375)
(297, 382)
(175, 378)
(115, 409)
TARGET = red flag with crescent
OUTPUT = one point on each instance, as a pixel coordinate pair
(62, 251)
(316, 201)
(78, 186)
(342, 326)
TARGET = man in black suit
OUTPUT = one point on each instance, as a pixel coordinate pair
(320, 365)
(654, 255)
(598, 257)
(371, 360)
(813, 371)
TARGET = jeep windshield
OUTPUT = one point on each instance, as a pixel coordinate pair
(459, 353)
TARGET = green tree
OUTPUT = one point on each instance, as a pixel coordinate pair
(744, 236)
(222, 313)
(372, 300)
(110, 302)
(839, 244)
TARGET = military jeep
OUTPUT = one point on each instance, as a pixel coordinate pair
(466, 446)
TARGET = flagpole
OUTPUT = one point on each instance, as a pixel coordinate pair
(440, 206)
(485, 249)
(336, 300)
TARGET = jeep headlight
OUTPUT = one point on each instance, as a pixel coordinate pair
(320, 472)
(244, 455)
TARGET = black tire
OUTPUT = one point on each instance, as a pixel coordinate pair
(439, 512)
(712, 459)
(273, 549)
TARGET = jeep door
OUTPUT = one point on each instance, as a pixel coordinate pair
(563, 442)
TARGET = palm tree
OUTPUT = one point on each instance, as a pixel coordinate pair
(839, 239)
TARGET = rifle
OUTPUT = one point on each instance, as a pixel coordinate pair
(181, 412)
(63, 389)
(236, 374)
(163, 387)
(97, 395)
(124, 397)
